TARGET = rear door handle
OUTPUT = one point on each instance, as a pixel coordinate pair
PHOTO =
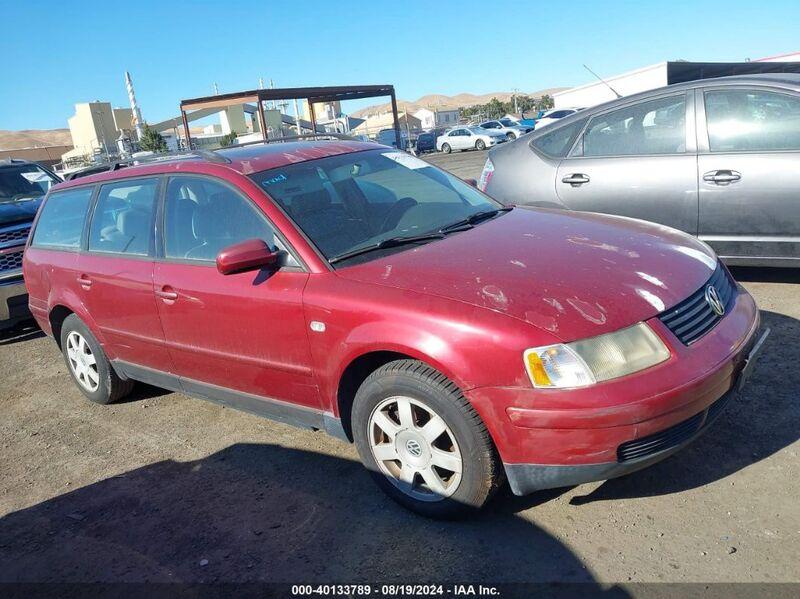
(723, 177)
(575, 179)
(84, 281)
(167, 293)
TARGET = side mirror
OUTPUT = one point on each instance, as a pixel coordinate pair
(250, 254)
(472, 182)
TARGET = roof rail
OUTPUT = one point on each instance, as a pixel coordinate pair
(115, 165)
(272, 140)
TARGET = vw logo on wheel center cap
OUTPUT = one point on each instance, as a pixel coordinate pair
(414, 448)
(713, 300)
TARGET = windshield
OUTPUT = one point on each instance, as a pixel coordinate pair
(508, 122)
(343, 203)
(478, 130)
(24, 181)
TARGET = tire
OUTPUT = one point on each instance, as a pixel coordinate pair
(422, 455)
(510, 136)
(104, 386)
(480, 145)
(446, 148)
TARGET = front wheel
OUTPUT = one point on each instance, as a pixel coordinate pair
(480, 145)
(446, 148)
(422, 441)
(510, 136)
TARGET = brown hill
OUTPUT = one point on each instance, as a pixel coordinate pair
(441, 101)
(34, 138)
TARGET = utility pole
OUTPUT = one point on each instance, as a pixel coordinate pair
(516, 91)
(297, 117)
(216, 89)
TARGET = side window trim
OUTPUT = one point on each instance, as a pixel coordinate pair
(93, 206)
(688, 128)
(161, 214)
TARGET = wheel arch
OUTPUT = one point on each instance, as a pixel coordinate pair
(360, 366)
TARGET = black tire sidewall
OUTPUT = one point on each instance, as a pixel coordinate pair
(101, 395)
(470, 494)
(480, 145)
(446, 148)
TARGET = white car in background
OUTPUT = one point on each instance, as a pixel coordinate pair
(507, 127)
(468, 138)
(551, 116)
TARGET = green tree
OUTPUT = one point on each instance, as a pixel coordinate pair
(152, 141)
(545, 102)
(228, 140)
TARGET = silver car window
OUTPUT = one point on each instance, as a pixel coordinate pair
(652, 127)
(752, 120)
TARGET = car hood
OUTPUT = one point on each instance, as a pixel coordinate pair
(573, 274)
(20, 211)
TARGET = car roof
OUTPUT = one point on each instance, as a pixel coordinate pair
(245, 159)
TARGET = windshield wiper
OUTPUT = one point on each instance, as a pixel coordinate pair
(386, 243)
(473, 219)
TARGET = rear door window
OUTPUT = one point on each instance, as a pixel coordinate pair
(62, 218)
(123, 218)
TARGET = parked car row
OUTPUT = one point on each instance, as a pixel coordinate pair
(354, 288)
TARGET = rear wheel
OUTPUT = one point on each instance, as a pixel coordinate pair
(422, 441)
(446, 148)
(88, 364)
(510, 136)
(480, 145)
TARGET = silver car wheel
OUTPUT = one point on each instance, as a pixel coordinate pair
(415, 449)
(82, 362)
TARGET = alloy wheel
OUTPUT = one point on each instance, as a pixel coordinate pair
(415, 449)
(82, 362)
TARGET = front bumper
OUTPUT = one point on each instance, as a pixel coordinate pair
(550, 439)
(13, 301)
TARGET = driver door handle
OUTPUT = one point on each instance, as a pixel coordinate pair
(723, 177)
(167, 293)
(576, 179)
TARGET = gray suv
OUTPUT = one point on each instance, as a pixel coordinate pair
(717, 158)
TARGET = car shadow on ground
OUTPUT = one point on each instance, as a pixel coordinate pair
(25, 331)
(261, 512)
(760, 422)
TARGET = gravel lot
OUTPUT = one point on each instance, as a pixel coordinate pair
(162, 487)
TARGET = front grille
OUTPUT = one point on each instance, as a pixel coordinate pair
(674, 435)
(694, 317)
(14, 235)
(10, 261)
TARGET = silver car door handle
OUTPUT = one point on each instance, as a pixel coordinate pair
(722, 177)
(575, 179)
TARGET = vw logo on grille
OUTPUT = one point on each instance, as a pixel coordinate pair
(712, 299)
(414, 448)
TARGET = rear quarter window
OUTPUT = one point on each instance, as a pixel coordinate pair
(61, 221)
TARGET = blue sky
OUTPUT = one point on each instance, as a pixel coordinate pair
(55, 54)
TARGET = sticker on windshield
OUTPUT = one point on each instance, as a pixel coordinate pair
(273, 180)
(407, 160)
(36, 176)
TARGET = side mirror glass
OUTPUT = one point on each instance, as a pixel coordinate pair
(251, 254)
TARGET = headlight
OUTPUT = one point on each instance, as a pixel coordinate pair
(594, 360)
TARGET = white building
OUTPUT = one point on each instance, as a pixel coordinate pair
(429, 119)
(665, 73)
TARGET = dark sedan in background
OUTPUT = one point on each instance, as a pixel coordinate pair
(717, 158)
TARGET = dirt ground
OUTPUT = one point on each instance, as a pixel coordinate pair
(162, 487)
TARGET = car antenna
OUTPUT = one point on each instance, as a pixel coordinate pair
(603, 80)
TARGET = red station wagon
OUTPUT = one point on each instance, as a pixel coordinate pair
(353, 288)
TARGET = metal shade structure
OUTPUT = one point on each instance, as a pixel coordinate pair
(314, 95)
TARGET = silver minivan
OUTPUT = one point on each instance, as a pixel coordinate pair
(717, 158)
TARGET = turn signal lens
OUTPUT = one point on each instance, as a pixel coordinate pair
(557, 366)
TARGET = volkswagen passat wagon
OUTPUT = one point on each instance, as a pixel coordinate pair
(353, 288)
